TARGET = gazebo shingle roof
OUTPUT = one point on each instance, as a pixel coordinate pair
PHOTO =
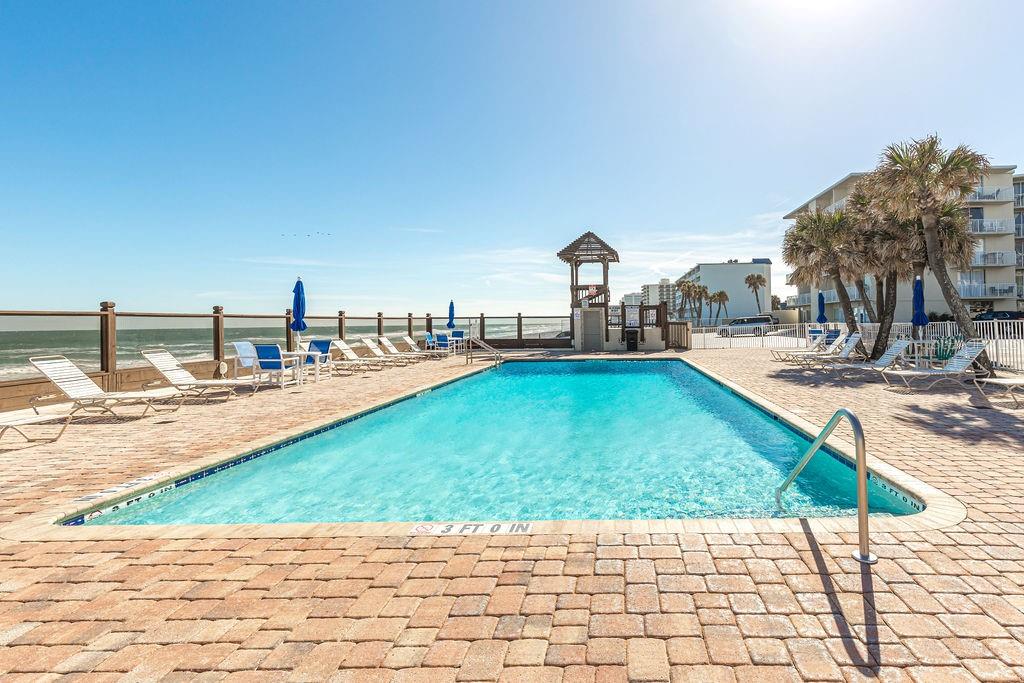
(588, 247)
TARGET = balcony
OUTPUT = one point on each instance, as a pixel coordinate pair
(836, 205)
(1020, 260)
(993, 258)
(987, 290)
(1019, 230)
(831, 296)
(991, 194)
(1018, 201)
(991, 226)
(799, 300)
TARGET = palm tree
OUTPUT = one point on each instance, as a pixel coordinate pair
(685, 288)
(720, 298)
(703, 295)
(754, 282)
(919, 179)
(776, 302)
(814, 246)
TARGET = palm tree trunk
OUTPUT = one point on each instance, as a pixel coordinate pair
(881, 282)
(718, 313)
(887, 315)
(844, 301)
(757, 300)
(937, 262)
(865, 299)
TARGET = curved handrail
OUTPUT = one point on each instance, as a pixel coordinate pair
(470, 341)
(863, 552)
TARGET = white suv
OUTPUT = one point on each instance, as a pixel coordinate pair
(756, 325)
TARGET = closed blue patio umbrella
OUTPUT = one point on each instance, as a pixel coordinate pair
(821, 319)
(451, 315)
(298, 307)
(920, 318)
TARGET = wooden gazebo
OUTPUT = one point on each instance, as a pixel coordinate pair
(588, 248)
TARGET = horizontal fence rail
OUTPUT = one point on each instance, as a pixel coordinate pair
(107, 343)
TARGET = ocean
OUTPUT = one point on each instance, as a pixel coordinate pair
(196, 343)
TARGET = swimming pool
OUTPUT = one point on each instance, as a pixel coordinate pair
(531, 441)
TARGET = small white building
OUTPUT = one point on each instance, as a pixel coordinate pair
(632, 299)
(730, 277)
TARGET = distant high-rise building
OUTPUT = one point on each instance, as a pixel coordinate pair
(632, 299)
(663, 292)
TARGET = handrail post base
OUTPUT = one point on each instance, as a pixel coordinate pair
(865, 559)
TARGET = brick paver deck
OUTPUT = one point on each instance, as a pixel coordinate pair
(939, 605)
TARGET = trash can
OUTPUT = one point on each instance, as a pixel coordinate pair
(632, 340)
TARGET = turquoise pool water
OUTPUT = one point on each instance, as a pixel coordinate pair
(531, 441)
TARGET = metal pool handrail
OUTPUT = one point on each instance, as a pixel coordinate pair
(495, 354)
(863, 552)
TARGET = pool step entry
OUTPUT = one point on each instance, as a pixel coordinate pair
(863, 552)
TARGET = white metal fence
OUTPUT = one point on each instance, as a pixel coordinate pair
(1005, 337)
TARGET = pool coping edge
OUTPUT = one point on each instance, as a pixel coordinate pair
(941, 509)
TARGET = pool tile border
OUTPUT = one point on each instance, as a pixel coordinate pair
(941, 510)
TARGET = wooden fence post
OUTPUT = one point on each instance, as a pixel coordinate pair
(380, 323)
(289, 336)
(341, 325)
(218, 337)
(519, 328)
(108, 345)
(483, 335)
(430, 324)
(663, 321)
(409, 326)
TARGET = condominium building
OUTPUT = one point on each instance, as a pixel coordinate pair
(664, 291)
(995, 280)
(730, 277)
(632, 299)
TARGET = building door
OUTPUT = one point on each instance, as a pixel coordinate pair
(592, 332)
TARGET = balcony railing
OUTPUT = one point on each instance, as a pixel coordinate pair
(987, 290)
(991, 194)
(1019, 230)
(993, 258)
(990, 226)
(1020, 260)
(1018, 201)
(837, 205)
(799, 300)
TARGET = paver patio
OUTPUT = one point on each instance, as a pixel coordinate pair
(939, 605)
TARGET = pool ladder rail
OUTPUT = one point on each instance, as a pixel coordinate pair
(863, 552)
(481, 344)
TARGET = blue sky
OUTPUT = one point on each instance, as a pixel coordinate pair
(173, 156)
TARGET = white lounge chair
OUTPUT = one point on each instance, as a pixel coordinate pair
(833, 347)
(886, 360)
(816, 345)
(848, 348)
(391, 350)
(358, 361)
(15, 423)
(375, 350)
(955, 369)
(87, 396)
(1008, 384)
(415, 348)
(181, 379)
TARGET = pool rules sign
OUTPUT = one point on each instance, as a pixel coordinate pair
(469, 528)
